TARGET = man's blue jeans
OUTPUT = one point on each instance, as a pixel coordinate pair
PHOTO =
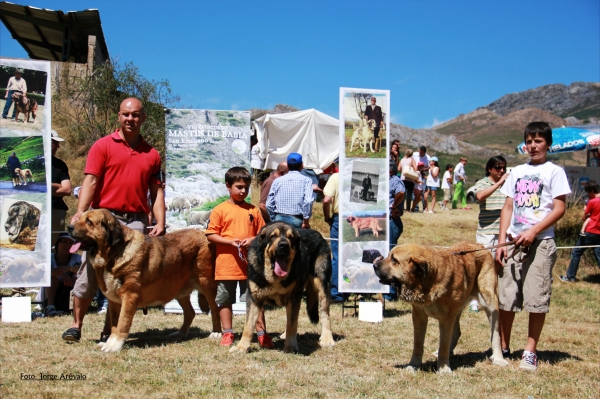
(289, 219)
(589, 239)
(8, 104)
(396, 229)
(334, 234)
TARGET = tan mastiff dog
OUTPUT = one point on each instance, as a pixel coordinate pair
(137, 271)
(440, 285)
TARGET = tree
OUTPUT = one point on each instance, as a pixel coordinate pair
(87, 104)
(360, 103)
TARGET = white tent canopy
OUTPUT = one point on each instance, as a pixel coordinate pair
(310, 133)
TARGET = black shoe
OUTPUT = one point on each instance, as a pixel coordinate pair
(104, 337)
(73, 334)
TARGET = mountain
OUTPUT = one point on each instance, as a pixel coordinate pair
(580, 100)
(499, 125)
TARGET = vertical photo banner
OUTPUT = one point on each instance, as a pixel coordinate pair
(25, 173)
(201, 146)
(364, 188)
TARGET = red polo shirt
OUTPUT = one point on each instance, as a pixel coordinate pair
(123, 173)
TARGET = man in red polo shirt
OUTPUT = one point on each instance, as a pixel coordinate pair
(119, 171)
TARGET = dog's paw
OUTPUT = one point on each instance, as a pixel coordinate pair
(292, 348)
(178, 335)
(326, 342)
(445, 369)
(499, 362)
(215, 335)
(411, 368)
(239, 349)
(112, 345)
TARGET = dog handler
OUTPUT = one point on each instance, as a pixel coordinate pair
(119, 171)
(15, 84)
(536, 193)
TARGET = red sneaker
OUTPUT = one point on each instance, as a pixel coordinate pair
(227, 339)
(265, 341)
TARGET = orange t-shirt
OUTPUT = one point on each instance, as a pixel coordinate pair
(233, 221)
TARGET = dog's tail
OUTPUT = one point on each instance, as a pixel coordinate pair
(203, 303)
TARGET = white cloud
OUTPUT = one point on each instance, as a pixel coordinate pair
(435, 122)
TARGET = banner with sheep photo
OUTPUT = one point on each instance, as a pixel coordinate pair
(201, 146)
(25, 172)
(364, 188)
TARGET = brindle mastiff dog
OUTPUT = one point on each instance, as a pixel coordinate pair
(282, 263)
(136, 271)
(439, 284)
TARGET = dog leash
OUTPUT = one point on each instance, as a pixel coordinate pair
(506, 244)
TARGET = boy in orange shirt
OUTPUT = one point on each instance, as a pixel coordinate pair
(233, 225)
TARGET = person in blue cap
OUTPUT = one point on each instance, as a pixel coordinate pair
(290, 199)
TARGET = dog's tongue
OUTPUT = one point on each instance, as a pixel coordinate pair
(75, 247)
(280, 267)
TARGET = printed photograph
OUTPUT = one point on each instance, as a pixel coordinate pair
(365, 124)
(20, 221)
(22, 167)
(201, 146)
(365, 182)
(364, 226)
(22, 98)
(356, 272)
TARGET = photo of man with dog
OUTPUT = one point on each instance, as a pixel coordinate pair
(365, 124)
(22, 99)
(22, 166)
(365, 182)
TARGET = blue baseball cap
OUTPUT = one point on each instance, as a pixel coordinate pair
(434, 159)
(294, 159)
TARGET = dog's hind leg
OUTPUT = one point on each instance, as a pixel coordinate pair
(319, 291)
(488, 299)
(420, 319)
(455, 333)
(188, 317)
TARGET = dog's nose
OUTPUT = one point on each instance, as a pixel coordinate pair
(70, 228)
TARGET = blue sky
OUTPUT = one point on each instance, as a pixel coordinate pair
(438, 58)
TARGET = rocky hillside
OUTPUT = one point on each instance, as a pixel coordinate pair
(499, 125)
(580, 100)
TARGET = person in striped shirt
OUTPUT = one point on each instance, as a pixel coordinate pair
(491, 201)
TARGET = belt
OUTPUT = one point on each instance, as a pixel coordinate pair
(295, 216)
(127, 217)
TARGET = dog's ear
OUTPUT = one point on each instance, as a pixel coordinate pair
(421, 265)
(32, 217)
(114, 232)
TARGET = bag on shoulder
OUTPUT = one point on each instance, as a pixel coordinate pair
(409, 173)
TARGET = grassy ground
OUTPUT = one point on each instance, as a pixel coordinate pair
(367, 361)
